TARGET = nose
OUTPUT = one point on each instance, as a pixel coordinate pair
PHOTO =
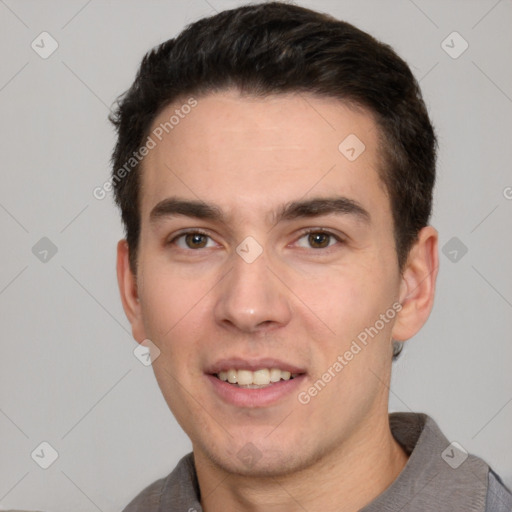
(251, 298)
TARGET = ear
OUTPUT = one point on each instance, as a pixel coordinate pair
(127, 282)
(418, 285)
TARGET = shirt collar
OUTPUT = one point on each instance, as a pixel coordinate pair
(439, 476)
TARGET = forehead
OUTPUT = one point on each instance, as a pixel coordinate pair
(252, 154)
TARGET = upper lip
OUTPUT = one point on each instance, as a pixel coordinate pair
(239, 363)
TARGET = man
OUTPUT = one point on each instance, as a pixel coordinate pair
(274, 169)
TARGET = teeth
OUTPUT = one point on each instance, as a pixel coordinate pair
(244, 377)
(275, 375)
(262, 377)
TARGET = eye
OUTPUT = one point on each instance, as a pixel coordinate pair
(318, 239)
(192, 240)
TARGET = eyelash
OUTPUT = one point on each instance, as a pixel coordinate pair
(321, 231)
(196, 231)
(304, 233)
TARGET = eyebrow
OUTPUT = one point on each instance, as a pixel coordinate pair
(171, 207)
(309, 208)
(317, 207)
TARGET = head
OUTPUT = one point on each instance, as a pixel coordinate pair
(269, 121)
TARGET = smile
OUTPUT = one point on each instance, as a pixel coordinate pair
(255, 379)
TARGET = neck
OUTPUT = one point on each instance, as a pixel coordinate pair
(344, 480)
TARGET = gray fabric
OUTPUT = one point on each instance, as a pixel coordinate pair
(499, 497)
(428, 483)
(179, 491)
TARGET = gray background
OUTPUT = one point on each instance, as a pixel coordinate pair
(68, 374)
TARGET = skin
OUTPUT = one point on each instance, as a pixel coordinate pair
(297, 302)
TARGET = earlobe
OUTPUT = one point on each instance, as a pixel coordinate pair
(127, 282)
(417, 287)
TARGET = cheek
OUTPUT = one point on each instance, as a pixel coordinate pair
(173, 311)
(177, 311)
(346, 302)
(171, 300)
(340, 295)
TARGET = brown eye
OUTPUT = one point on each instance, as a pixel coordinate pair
(319, 240)
(196, 240)
(193, 240)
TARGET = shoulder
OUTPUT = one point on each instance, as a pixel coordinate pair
(499, 497)
(177, 491)
(148, 500)
(439, 475)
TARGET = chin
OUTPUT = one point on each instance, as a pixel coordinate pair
(263, 462)
(265, 467)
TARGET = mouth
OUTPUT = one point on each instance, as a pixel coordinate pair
(254, 383)
(257, 379)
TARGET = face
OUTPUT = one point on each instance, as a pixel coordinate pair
(266, 250)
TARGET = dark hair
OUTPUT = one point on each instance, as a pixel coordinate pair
(272, 48)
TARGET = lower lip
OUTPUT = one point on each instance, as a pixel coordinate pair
(247, 397)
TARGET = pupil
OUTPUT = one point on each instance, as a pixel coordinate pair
(319, 240)
(195, 240)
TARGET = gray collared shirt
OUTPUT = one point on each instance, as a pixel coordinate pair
(438, 477)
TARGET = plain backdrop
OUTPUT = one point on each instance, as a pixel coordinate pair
(68, 375)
